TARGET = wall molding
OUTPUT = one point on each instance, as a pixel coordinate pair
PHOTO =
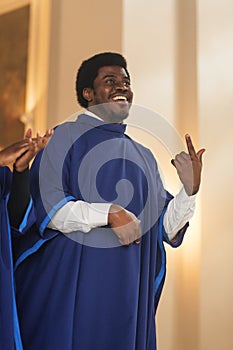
(38, 59)
(11, 5)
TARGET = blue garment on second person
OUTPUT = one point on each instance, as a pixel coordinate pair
(10, 338)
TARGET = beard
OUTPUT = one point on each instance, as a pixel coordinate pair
(112, 112)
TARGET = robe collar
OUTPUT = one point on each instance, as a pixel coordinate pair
(97, 122)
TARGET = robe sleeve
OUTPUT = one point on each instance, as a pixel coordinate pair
(178, 239)
(28, 220)
(164, 198)
(49, 177)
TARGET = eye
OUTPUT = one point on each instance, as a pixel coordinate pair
(110, 81)
(126, 83)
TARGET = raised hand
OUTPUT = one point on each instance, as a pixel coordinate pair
(34, 146)
(125, 225)
(9, 154)
(189, 167)
(41, 141)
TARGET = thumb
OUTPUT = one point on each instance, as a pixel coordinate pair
(28, 134)
(200, 154)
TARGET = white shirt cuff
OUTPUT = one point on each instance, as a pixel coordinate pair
(179, 211)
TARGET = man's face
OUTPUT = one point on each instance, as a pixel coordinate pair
(111, 96)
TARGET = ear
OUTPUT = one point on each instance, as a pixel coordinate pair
(88, 94)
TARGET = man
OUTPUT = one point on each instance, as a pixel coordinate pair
(97, 286)
(14, 200)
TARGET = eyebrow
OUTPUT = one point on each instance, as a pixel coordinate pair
(114, 76)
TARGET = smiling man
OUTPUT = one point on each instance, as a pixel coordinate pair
(111, 95)
(92, 278)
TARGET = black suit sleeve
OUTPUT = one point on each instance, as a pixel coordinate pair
(19, 197)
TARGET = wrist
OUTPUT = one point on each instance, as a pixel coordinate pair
(191, 191)
(2, 162)
(114, 212)
(20, 169)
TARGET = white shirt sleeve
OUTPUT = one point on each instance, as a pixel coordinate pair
(179, 211)
(80, 216)
(83, 216)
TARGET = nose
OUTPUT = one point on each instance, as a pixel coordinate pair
(121, 85)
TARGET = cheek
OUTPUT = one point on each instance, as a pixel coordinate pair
(105, 94)
(131, 95)
(102, 93)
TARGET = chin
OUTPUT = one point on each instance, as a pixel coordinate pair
(118, 117)
(117, 112)
(111, 112)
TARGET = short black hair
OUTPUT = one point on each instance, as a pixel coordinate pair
(89, 68)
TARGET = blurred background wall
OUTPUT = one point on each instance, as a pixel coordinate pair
(180, 55)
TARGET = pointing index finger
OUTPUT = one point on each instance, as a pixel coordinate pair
(190, 146)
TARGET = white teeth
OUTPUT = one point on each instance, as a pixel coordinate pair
(119, 98)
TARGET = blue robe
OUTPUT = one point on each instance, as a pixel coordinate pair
(9, 327)
(84, 291)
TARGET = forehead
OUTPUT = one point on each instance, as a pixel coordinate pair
(115, 71)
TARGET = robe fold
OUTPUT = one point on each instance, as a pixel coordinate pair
(84, 291)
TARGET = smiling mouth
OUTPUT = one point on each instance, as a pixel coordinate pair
(120, 99)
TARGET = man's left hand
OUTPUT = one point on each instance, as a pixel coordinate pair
(189, 167)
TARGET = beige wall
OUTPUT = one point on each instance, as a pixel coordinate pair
(215, 75)
(79, 29)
